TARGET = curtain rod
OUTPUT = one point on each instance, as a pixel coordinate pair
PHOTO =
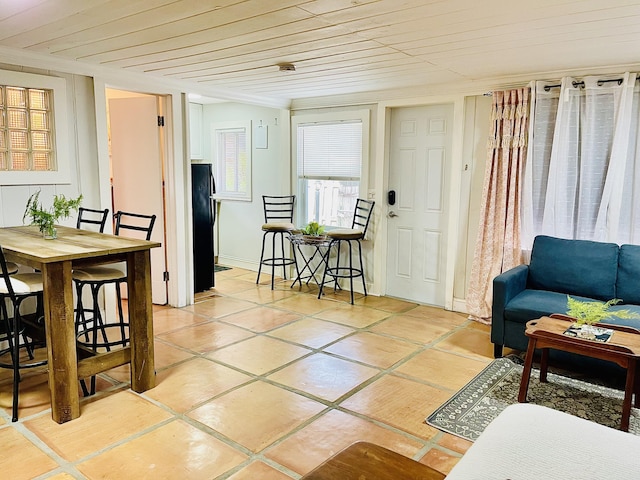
(581, 84)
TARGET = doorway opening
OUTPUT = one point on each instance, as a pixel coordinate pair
(137, 157)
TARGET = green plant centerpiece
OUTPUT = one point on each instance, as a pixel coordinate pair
(46, 219)
(314, 229)
(592, 312)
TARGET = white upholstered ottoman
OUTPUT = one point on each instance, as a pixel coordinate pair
(530, 442)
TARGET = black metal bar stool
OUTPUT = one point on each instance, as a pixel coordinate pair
(278, 218)
(98, 276)
(361, 217)
(16, 289)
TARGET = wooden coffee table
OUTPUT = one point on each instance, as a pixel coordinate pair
(623, 348)
(367, 461)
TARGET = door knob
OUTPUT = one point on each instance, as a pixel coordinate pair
(392, 214)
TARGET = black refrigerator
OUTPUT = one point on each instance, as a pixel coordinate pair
(204, 217)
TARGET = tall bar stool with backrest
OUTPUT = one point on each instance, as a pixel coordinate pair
(88, 219)
(16, 289)
(278, 218)
(98, 276)
(361, 218)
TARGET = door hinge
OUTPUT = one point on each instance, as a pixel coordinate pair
(165, 276)
(160, 121)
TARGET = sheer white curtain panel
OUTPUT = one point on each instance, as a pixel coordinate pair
(581, 152)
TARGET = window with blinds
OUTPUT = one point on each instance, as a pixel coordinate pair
(329, 165)
(26, 129)
(232, 142)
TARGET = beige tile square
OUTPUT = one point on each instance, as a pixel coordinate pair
(218, 307)
(242, 414)
(304, 304)
(398, 402)
(21, 459)
(174, 319)
(165, 355)
(261, 319)
(312, 332)
(442, 368)
(233, 272)
(324, 376)
(205, 337)
(61, 476)
(440, 460)
(259, 355)
(472, 341)
(259, 471)
(103, 421)
(193, 382)
(175, 450)
(387, 304)
(454, 443)
(229, 286)
(263, 295)
(353, 315)
(372, 349)
(332, 432)
(416, 329)
(436, 313)
(34, 395)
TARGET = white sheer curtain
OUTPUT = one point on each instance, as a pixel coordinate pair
(581, 178)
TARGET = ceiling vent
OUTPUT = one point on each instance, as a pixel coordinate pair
(287, 67)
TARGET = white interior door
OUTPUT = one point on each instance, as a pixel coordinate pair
(420, 150)
(136, 170)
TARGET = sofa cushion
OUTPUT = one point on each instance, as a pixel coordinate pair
(628, 284)
(531, 304)
(574, 267)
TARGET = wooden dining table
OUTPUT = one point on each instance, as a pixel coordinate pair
(56, 259)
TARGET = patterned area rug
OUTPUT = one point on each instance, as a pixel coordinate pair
(469, 411)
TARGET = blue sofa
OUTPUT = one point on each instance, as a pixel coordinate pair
(584, 269)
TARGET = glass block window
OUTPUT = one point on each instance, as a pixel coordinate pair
(26, 129)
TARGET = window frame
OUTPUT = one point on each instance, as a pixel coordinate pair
(363, 116)
(58, 87)
(221, 192)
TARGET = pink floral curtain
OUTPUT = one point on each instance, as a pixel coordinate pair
(498, 243)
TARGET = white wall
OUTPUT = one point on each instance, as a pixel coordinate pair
(239, 222)
(81, 150)
(476, 133)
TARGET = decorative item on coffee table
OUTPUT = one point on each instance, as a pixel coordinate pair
(586, 314)
(45, 219)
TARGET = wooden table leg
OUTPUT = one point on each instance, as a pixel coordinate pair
(544, 364)
(636, 391)
(61, 341)
(526, 372)
(143, 375)
(628, 393)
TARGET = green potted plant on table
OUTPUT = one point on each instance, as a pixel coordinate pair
(44, 218)
(313, 232)
(587, 314)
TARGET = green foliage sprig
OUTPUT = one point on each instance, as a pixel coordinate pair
(313, 228)
(590, 313)
(45, 218)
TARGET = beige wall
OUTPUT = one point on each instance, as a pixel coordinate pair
(476, 133)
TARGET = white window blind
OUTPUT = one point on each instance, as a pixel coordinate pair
(331, 151)
(232, 154)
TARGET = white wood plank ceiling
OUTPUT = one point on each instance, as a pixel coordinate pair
(337, 46)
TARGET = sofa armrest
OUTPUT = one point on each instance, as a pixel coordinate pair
(505, 286)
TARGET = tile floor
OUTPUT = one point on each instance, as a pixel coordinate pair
(258, 384)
